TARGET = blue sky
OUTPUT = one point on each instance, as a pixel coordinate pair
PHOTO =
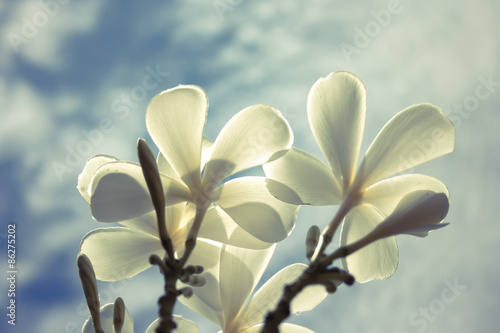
(72, 85)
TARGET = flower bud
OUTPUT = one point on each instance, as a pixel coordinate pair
(186, 292)
(118, 315)
(417, 213)
(312, 240)
(89, 284)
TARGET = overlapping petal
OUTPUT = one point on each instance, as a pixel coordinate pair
(119, 253)
(107, 312)
(386, 194)
(88, 171)
(377, 260)
(175, 119)
(220, 227)
(254, 136)
(166, 169)
(336, 108)
(119, 192)
(183, 325)
(301, 179)
(268, 296)
(414, 136)
(240, 271)
(248, 202)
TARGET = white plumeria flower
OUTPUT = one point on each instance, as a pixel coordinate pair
(175, 120)
(118, 253)
(107, 311)
(336, 111)
(225, 298)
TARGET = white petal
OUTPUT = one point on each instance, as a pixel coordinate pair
(418, 212)
(414, 136)
(248, 202)
(119, 253)
(301, 179)
(206, 254)
(220, 227)
(284, 328)
(254, 136)
(240, 271)
(183, 325)
(145, 223)
(90, 168)
(119, 192)
(377, 260)
(165, 168)
(175, 120)
(268, 296)
(386, 194)
(106, 312)
(336, 108)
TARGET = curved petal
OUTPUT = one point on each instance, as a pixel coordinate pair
(336, 108)
(248, 202)
(299, 178)
(183, 325)
(284, 328)
(254, 136)
(119, 253)
(107, 312)
(377, 260)
(386, 194)
(88, 171)
(240, 271)
(175, 119)
(417, 213)
(119, 192)
(414, 136)
(220, 227)
(268, 296)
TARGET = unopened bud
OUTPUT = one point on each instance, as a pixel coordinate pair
(330, 287)
(89, 284)
(186, 292)
(197, 281)
(312, 240)
(118, 315)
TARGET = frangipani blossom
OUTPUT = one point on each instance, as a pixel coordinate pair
(225, 298)
(107, 311)
(175, 120)
(119, 253)
(336, 111)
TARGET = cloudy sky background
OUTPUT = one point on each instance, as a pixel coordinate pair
(65, 67)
